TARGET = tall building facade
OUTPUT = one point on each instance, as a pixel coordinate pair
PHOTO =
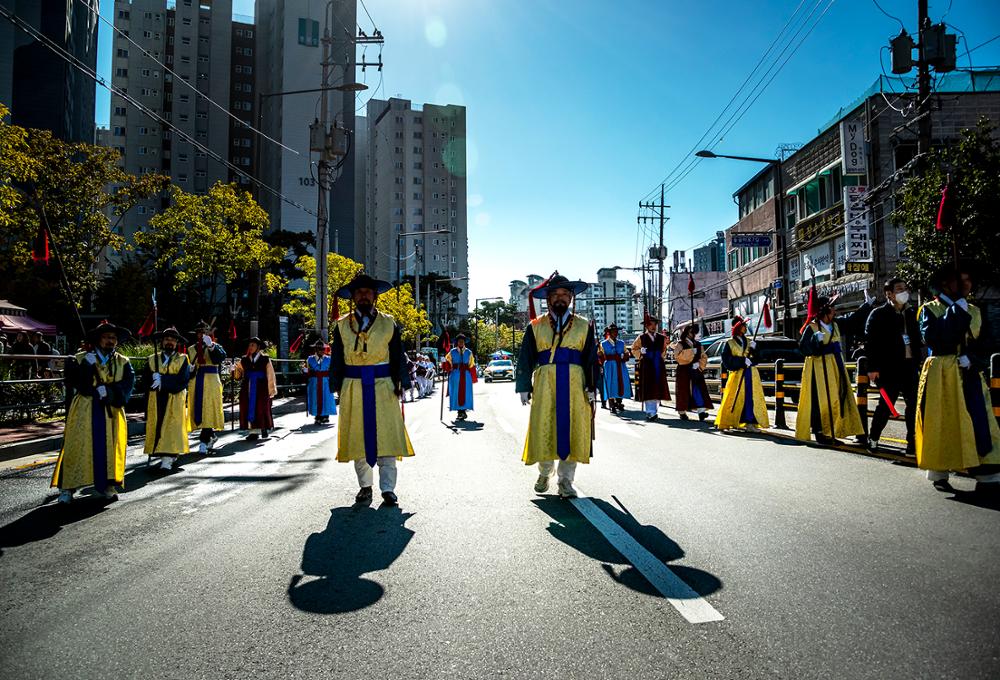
(288, 60)
(36, 84)
(416, 182)
(711, 257)
(211, 55)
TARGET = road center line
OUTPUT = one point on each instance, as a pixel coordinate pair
(507, 427)
(620, 429)
(685, 600)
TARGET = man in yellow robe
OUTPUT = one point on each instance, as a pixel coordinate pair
(556, 374)
(166, 377)
(205, 406)
(370, 374)
(96, 433)
(742, 405)
(827, 405)
(955, 428)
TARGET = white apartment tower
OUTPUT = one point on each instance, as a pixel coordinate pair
(416, 182)
(211, 54)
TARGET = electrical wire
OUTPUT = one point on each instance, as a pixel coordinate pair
(86, 70)
(982, 44)
(178, 78)
(365, 8)
(895, 18)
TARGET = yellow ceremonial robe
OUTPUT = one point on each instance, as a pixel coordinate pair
(173, 432)
(212, 411)
(836, 403)
(541, 442)
(944, 434)
(75, 466)
(391, 438)
(730, 413)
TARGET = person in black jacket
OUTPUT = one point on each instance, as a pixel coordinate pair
(894, 352)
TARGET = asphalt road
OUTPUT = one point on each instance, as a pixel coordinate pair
(255, 563)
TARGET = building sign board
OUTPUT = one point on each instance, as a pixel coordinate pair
(859, 245)
(745, 240)
(853, 159)
(817, 261)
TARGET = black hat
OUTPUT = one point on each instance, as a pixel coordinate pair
(560, 281)
(951, 270)
(461, 336)
(362, 280)
(202, 327)
(612, 327)
(319, 343)
(260, 343)
(107, 327)
(170, 333)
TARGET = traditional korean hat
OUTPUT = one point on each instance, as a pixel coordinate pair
(171, 332)
(106, 326)
(738, 321)
(319, 343)
(362, 280)
(202, 327)
(612, 327)
(559, 281)
(461, 336)
(647, 318)
(260, 343)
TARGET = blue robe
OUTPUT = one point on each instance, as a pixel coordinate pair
(614, 353)
(320, 400)
(462, 366)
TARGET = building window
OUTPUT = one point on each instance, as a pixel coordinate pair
(119, 132)
(417, 180)
(308, 32)
(123, 14)
(141, 209)
(122, 53)
(119, 110)
(121, 73)
(418, 150)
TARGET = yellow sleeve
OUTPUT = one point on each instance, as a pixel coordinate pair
(636, 347)
(272, 381)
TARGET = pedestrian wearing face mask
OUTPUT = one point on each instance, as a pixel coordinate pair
(894, 351)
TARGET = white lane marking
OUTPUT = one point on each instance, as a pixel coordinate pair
(618, 428)
(507, 427)
(685, 600)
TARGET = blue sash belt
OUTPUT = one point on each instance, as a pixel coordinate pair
(252, 378)
(99, 443)
(199, 389)
(563, 359)
(368, 375)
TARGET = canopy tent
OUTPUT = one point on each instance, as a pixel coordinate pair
(14, 319)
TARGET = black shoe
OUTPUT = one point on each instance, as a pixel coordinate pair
(703, 415)
(683, 416)
(871, 445)
(911, 451)
(253, 436)
(944, 485)
(264, 434)
(389, 498)
(827, 441)
(604, 405)
(364, 495)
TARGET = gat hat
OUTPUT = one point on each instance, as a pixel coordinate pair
(738, 322)
(202, 327)
(106, 326)
(319, 343)
(461, 336)
(362, 280)
(612, 327)
(170, 333)
(260, 343)
(559, 281)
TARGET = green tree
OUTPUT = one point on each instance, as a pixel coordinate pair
(971, 169)
(397, 302)
(203, 241)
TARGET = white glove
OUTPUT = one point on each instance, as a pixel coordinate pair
(207, 340)
(90, 358)
(748, 363)
(525, 398)
(592, 396)
(963, 362)
(820, 334)
(642, 350)
(102, 391)
(156, 381)
(963, 303)
(869, 298)
(753, 344)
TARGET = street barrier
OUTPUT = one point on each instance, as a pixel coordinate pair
(862, 392)
(995, 384)
(779, 395)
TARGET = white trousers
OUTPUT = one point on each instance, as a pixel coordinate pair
(386, 473)
(651, 406)
(937, 475)
(567, 469)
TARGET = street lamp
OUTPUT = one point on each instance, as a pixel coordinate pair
(779, 212)
(644, 268)
(416, 269)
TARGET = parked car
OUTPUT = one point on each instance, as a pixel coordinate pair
(769, 349)
(499, 369)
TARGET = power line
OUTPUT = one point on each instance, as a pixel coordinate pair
(982, 44)
(895, 18)
(178, 78)
(365, 8)
(80, 66)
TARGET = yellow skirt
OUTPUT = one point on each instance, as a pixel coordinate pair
(391, 438)
(75, 467)
(212, 409)
(837, 419)
(945, 439)
(543, 430)
(730, 413)
(174, 431)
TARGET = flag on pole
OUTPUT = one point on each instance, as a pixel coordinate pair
(944, 210)
(149, 325)
(296, 344)
(232, 329)
(690, 283)
(446, 343)
(767, 315)
(40, 247)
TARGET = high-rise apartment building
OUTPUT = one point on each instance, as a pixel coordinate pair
(41, 89)
(288, 60)
(711, 257)
(416, 182)
(212, 55)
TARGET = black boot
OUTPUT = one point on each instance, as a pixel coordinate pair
(364, 495)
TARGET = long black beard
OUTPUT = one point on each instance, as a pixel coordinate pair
(365, 309)
(559, 309)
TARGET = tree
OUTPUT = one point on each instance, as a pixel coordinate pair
(397, 302)
(203, 241)
(488, 310)
(971, 170)
(438, 294)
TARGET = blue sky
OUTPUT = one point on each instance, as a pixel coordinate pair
(578, 108)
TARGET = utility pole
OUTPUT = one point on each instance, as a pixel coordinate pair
(923, 81)
(654, 212)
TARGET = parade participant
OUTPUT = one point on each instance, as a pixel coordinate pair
(370, 374)
(616, 382)
(556, 375)
(460, 366)
(429, 373)
(166, 377)
(411, 369)
(742, 404)
(258, 386)
(650, 352)
(893, 349)
(689, 382)
(320, 400)
(955, 426)
(827, 405)
(93, 451)
(205, 408)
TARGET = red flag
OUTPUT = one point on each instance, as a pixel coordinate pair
(40, 249)
(690, 283)
(943, 206)
(149, 325)
(232, 329)
(532, 315)
(297, 344)
(810, 308)
(767, 315)
(446, 343)
(335, 310)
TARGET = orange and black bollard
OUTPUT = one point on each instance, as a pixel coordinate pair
(723, 376)
(995, 384)
(779, 395)
(862, 380)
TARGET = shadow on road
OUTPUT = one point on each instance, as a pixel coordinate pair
(48, 520)
(570, 527)
(357, 540)
(464, 426)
